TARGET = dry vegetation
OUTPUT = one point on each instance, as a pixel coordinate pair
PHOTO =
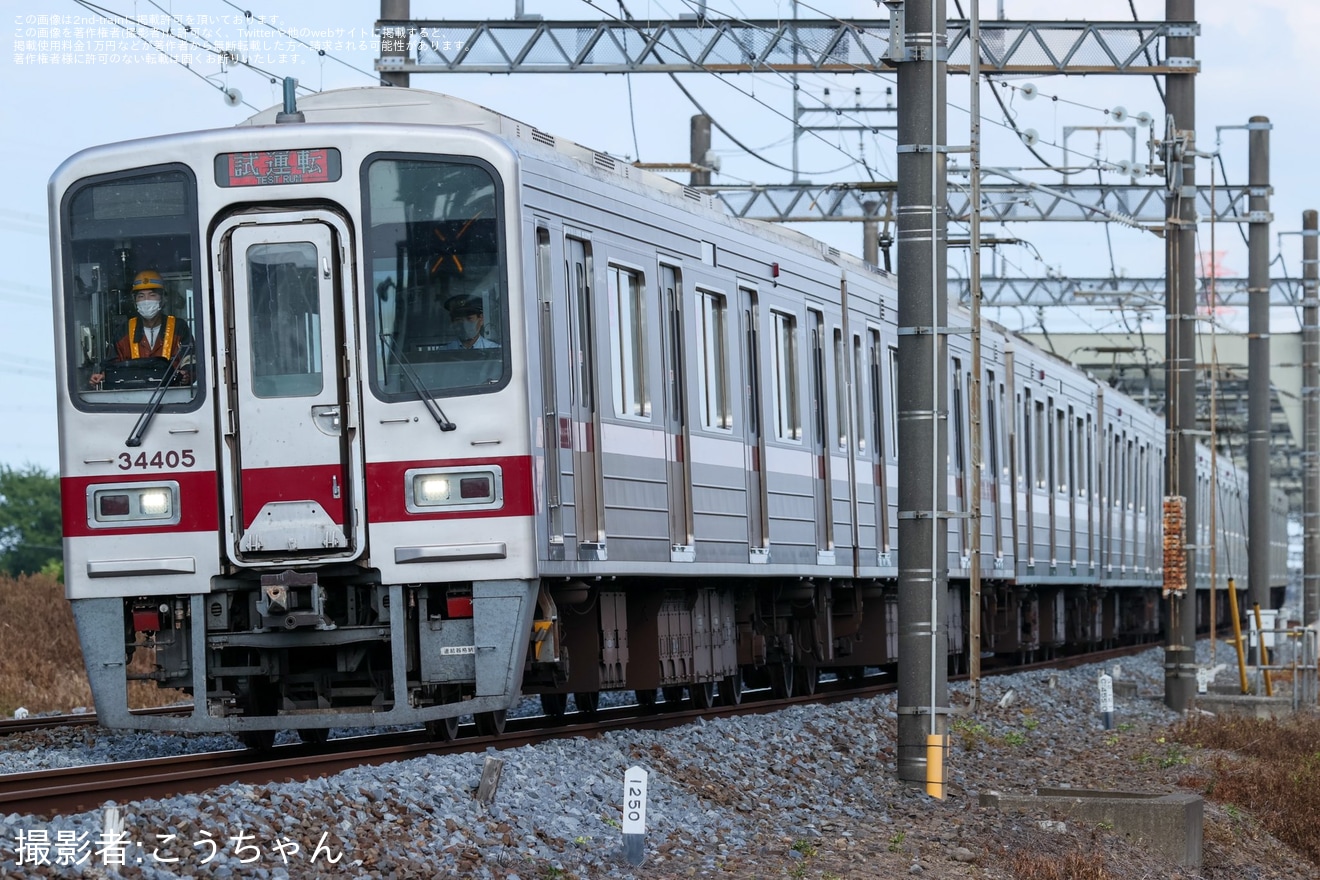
(41, 666)
(1267, 769)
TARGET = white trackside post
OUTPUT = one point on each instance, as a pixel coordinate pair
(1107, 701)
(634, 815)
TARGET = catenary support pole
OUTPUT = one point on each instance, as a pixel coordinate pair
(699, 148)
(923, 639)
(394, 46)
(1258, 361)
(1311, 419)
(1180, 337)
(974, 392)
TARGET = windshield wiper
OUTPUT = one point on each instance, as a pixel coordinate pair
(157, 396)
(431, 405)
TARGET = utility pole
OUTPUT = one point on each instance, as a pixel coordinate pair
(1311, 420)
(923, 638)
(1180, 364)
(1258, 361)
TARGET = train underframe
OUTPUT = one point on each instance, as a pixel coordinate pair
(667, 635)
(310, 652)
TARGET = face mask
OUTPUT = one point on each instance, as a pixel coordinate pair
(467, 328)
(149, 308)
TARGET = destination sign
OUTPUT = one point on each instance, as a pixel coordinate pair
(277, 167)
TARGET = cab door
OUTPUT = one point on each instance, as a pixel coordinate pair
(290, 466)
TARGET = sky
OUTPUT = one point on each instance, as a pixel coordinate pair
(99, 84)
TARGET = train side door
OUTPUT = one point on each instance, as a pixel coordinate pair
(582, 390)
(675, 415)
(821, 475)
(555, 434)
(753, 433)
(290, 464)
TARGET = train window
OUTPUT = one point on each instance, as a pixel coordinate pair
(956, 374)
(991, 425)
(1028, 450)
(1130, 476)
(1090, 460)
(133, 323)
(1061, 446)
(893, 403)
(840, 397)
(1114, 476)
(999, 435)
(285, 319)
(788, 416)
(877, 393)
(1042, 447)
(1080, 484)
(713, 361)
(435, 263)
(628, 341)
(859, 393)
(1143, 477)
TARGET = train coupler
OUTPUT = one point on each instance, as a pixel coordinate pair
(292, 600)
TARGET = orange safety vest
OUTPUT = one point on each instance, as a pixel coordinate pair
(135, 350)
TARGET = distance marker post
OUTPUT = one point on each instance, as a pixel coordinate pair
(634, 815)
(1107, 701)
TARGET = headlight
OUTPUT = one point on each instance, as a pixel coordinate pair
(154, 503)
(124, 504)
(469, 488)
(430, 489)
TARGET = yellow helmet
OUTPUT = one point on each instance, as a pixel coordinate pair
(148, 280)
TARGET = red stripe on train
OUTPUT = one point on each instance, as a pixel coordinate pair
(199, 500)
(198, 503)
(387, 488)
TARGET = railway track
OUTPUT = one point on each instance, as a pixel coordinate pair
(80, 719)
(77, 789)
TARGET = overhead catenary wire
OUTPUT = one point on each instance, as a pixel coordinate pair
(858, 160)
(116, 19)
(319, 51)
(131, 25)
(723, 129)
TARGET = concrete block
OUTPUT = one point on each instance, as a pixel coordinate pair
(1125, 688)
(1245, 704)
(1170, 824)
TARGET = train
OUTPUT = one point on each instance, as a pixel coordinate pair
(438, 410)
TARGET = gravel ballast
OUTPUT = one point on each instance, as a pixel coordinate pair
(746, 796)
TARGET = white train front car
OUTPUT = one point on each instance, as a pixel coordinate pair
(356, 346)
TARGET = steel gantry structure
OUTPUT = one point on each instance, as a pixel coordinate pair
(723, 45)
(1133, 293)
(1021, 200)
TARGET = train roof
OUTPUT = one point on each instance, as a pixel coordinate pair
(407, 106)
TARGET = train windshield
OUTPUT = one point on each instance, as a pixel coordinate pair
(436, 267)
(130, 245)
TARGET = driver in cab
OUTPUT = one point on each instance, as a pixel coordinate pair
(151, 334)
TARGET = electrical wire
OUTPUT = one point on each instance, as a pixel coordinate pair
(752, 96)
(320, 52)
(1158, 86)
(115, 19)
(632, 108)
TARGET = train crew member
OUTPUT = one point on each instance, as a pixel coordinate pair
(151, 334)
(466, 316)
